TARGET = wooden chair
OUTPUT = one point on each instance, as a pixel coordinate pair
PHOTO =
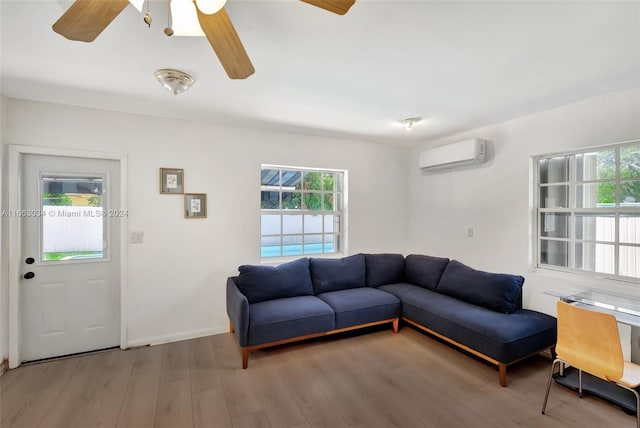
(589, 341)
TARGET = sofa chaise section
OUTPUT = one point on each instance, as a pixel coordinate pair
(478, 311)
(499, 338)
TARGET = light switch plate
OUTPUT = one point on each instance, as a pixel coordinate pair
(136, 237)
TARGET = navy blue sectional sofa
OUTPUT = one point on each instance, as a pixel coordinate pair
(478, 311)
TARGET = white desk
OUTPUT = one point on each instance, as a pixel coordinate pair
(626, 309)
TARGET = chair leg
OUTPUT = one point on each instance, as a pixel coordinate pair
(546, 395)
(637, 402)
(579, 383)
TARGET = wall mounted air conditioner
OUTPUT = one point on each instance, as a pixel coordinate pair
(469, 152)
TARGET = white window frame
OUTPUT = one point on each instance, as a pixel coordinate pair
(342, 229)
(572, 210)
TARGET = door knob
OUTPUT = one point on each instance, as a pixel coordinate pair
(29, 260)
(29, 275)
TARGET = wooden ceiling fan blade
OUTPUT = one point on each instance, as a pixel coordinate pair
(336, 6)
(86, 19)
(226, 44)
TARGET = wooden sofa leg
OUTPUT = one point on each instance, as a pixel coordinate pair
(396, 323)
(502, 368)
(231, 329)
(245, 358)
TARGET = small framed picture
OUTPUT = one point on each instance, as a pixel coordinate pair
(195, 205)
(171, 180)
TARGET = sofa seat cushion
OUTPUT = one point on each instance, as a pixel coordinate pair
(280, 319)
(357, 306)
(499, 292)
(503, 337)
(337, 274)
(259, 283)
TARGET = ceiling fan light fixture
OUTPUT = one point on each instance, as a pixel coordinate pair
(185, 19)
(210, 7)
(409, 122)
(175, 81)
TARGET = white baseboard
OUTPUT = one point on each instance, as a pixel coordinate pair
(175, 337)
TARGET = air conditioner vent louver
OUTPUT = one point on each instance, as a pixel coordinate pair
(469, 152)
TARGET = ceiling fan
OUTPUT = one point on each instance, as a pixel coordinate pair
(86, 19)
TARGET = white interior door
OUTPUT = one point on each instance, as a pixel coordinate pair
(70, 248)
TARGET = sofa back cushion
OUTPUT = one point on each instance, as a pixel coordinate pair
(496, 291)
(384, 269)
(424, 271)
(259, 283)
(337, 274)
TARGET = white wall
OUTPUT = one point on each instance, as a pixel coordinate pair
(177, 277)
(494, 198)
(4, 289)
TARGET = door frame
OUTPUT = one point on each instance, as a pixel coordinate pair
(15, 156)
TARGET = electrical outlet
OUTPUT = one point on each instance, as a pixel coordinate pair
(136, 237)
(470, 232)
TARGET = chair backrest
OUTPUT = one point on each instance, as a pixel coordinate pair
(589, 341)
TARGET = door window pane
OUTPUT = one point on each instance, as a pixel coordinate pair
(72, 218)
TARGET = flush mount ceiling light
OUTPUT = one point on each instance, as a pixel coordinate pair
(175, 81)
(409, 122)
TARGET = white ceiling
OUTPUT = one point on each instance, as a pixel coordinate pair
(460, 65)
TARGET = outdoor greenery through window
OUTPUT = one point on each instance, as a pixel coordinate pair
(301, 211)
(589, 211)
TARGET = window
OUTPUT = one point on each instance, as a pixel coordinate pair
(588, 211)
(301, 211)
(73, 223)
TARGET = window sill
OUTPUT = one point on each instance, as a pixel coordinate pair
(285, 259)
